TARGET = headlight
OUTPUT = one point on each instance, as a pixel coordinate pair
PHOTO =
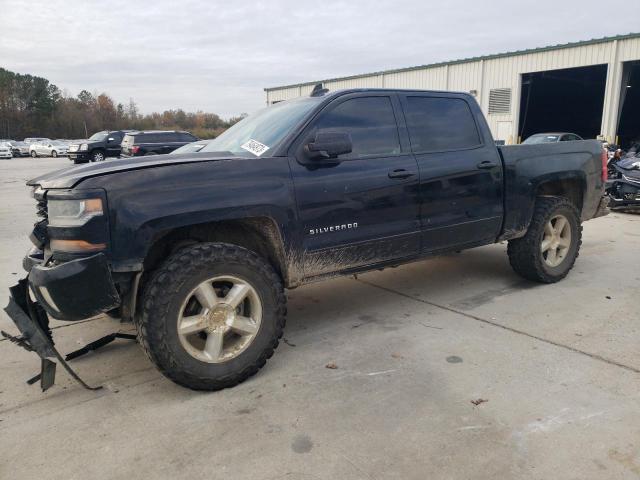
(84, 147)
(72, 213)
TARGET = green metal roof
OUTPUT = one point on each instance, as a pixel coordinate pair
(582, 43)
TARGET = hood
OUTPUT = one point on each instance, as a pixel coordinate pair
(70, 177)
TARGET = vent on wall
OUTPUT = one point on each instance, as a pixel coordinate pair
(499, 101)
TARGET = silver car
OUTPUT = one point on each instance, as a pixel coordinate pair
(51, 148)
(5, 150)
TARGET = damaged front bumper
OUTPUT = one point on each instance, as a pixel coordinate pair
(73, 290)
(33, 324)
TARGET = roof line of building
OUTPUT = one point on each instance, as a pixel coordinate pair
(466, 60)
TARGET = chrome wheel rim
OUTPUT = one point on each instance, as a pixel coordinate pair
(556, 240)
(98, 157)
(219, 319)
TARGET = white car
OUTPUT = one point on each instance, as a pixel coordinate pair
(50, 148)
(5, 150)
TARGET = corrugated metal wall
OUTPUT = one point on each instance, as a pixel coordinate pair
(504, 72)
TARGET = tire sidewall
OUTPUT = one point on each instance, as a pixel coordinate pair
(167, 319)
(95, 157)
(566, 264)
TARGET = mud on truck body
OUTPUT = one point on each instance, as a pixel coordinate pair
(198, 249)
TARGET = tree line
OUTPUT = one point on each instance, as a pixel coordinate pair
(31, 106)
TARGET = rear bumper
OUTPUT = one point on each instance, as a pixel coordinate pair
(74, 290)
(603, 207)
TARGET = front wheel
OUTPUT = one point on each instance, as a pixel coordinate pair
(97, 156)
(552, 243)
(212, 315)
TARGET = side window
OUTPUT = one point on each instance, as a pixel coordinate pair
(370, 122)
(186, 137)
(438, 123)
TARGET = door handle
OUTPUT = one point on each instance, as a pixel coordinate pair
(486, 165)
(400, 173)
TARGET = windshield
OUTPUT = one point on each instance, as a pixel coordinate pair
(264, 129)
(98, 136)
(58, 142)
(541, 138)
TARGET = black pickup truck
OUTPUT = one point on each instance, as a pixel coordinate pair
(197, 249)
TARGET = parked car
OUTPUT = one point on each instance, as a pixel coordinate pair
(30, 140)
(99, 146)
(191, 147)
(51, 148)
(197, 249)
(155, 142)
(19, 149)
(551, 138)
(5, 150)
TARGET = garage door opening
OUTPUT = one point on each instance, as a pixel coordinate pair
(567, 100)
(629, 114)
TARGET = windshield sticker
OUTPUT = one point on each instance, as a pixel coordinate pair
(255, 147)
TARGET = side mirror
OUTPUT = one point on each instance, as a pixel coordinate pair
(329, 145)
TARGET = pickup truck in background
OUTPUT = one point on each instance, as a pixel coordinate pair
(197, 249)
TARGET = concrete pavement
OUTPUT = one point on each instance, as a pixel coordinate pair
(557, 365)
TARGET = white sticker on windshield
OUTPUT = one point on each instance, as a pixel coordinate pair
(255, 147)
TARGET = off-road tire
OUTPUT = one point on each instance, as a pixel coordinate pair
(168, 288)
(525, 255)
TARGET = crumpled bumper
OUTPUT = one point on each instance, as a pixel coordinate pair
(35, 336)
(74, 290)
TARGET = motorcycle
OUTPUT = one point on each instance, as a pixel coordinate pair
(623, 185)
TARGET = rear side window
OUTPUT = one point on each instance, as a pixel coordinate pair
(370, 122)
(185, 137)
(437, 124)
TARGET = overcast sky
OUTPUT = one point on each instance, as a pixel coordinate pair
(218, 56)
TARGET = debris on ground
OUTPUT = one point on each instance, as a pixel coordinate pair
(331, 366)
(608, 297)
(479, 401)
(288, 342)
(396, 355)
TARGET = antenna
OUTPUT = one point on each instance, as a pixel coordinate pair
(318, 90)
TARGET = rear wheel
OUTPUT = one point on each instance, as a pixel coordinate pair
(33, 154)
(54, 154)
(552, 243)
(212, 315)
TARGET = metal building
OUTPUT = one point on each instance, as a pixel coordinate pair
(591, 88)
